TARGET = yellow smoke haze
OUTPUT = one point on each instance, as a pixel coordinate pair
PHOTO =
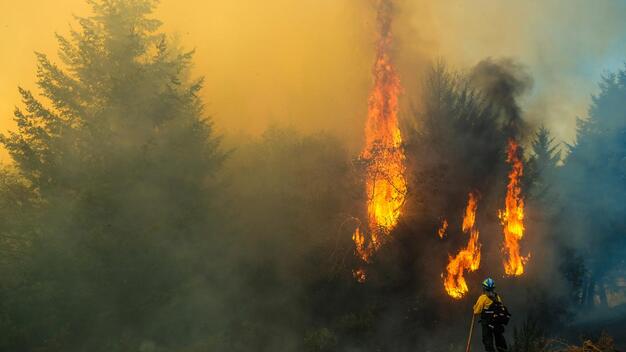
(307, 63)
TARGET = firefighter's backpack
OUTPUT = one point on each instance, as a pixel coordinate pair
(496, 314)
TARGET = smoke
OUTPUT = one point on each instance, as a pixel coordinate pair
(310, 66)
(559, 42)
(504, 81)
(384, 16)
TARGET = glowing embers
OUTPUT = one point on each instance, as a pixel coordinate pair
(383, 156)
(512, 217)
(467, 259)
(442, 229)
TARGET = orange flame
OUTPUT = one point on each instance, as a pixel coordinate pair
(468, 258)
(512, 217)
(442, 230)
(360, 275)
(382, 154)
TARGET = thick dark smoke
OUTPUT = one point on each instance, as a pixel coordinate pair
(504, 81)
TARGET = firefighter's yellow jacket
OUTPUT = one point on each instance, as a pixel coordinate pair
(484, 302)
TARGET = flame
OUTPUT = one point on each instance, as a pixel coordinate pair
(512, 217)
(468, 258)
(360, 275)
(383, 154)
(442, 230)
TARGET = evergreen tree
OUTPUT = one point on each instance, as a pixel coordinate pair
(456, 143)
(122, 158)
(542, 164)
(595, 183)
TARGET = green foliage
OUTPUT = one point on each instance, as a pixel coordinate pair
(593, 184)
(542, 166)
(118, 158)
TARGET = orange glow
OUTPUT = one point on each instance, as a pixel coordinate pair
(382, 155)
(512, 217)
(442, 230)
(360, 275)
(468, 258)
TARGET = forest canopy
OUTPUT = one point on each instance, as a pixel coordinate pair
(129, 224)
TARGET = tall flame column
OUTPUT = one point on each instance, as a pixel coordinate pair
(383, 154)
(512, 217)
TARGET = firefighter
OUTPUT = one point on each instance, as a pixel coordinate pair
(493, 317)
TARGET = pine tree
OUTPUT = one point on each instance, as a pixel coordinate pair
(543, 164)
(594, 179)
(122, 157)
(458, 144)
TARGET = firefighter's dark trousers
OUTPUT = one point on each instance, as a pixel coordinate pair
(491, 334)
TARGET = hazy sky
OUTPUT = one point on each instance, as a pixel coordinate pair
(307, 63)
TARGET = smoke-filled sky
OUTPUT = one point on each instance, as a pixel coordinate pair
(307, 63)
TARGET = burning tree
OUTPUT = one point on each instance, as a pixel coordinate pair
(512, 217)
(383, 156)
